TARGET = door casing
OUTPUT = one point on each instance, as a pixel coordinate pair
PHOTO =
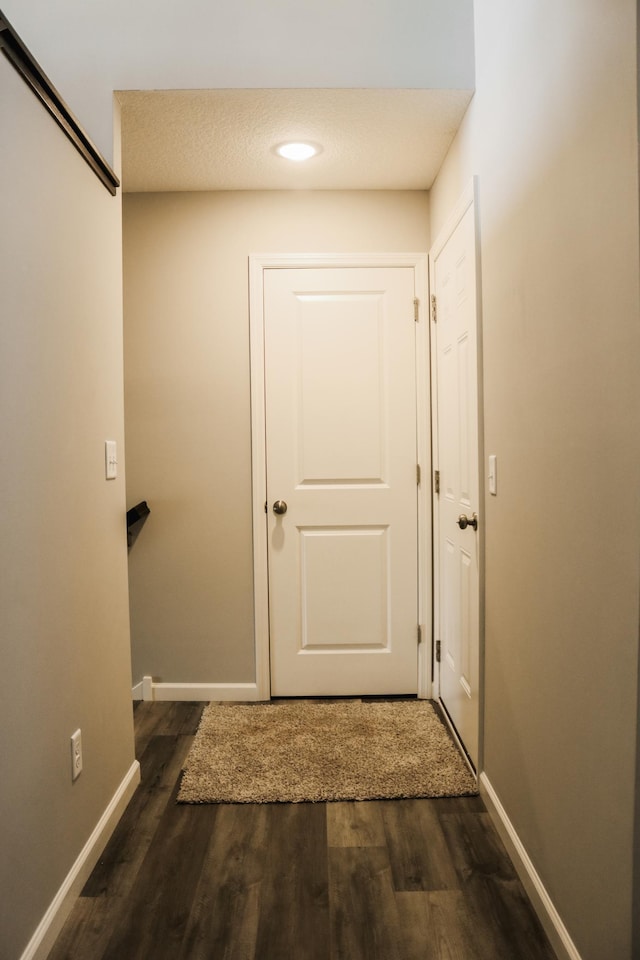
(258, 263)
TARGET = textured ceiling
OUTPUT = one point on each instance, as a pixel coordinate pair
(224, 139)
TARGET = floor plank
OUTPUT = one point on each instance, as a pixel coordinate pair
(160, 902)
(502, 914)
(364, 917)
(418, 850)
(223, 922)
(437, 925)
(117, 869)
(355, 824)
(87, 931)
(294, 903)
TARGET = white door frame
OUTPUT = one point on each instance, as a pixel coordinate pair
(258, 263)
(468, 198)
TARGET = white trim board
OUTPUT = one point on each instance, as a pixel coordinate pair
(51, 924)
(258, 263)
(549, 917)
(148, 689)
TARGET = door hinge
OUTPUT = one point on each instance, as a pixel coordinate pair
(436, 481)
(416, 309)
(418, 474)
(419, 634)
(434, 308)
(438, 651)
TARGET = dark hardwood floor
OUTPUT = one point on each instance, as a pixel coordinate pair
(388, 880)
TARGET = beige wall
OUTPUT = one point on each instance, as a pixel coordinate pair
(552, 136)
(63, 566)
(187, 403)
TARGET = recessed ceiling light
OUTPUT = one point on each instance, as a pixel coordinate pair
(297, 151)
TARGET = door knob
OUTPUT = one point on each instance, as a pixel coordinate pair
(280, 507)
(464, 521)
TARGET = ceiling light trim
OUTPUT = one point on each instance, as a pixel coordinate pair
(297, 150)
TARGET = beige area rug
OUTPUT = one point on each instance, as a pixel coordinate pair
(305, 750)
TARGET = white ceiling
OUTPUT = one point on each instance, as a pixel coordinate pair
(224, 139)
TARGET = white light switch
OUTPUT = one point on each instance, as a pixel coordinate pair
(110, 460)
(493, 474)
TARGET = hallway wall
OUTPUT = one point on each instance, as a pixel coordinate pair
(64, 627)
(187, 402)
(552, 137)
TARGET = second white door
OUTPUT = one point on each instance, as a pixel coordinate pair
(457, 565)
(340, 399)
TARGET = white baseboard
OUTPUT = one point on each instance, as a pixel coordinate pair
(51, 924)
(549, 917)
(147, 689)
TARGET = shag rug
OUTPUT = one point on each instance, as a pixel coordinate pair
(305, 750)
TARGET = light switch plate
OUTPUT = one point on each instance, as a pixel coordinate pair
(110, 459)
(493, 475)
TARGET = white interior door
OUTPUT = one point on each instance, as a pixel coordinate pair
(456, 456)
(340, 399)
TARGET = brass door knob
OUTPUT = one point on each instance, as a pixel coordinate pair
(280, 507)
(464, 521)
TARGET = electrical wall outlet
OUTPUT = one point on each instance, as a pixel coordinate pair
(76, 755)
